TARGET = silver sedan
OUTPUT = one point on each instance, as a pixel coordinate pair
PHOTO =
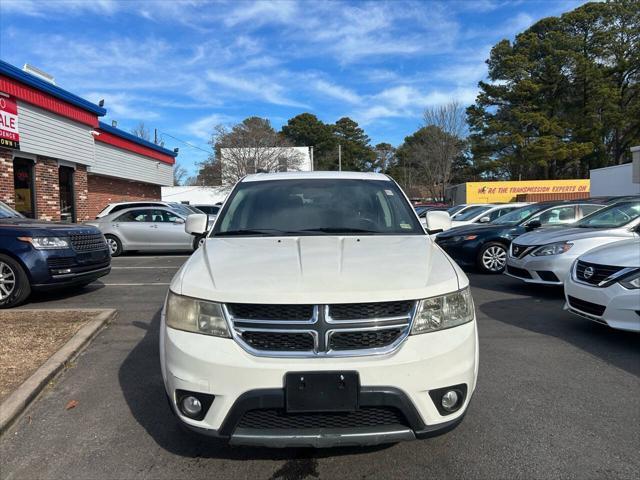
(145, 229)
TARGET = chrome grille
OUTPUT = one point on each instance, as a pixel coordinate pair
(594, 274)
(86, 242)
(320, 330)
(519, 251)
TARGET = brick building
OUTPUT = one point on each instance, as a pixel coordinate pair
(58, 161)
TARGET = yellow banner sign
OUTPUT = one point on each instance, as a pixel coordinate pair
(491, 192)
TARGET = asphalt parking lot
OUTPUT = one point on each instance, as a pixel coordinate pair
(557, 396)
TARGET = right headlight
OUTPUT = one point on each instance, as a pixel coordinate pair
(445, 311)
(632, 281)
(197, 316)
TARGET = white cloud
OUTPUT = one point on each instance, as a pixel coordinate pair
(203, 127)
(123, 106)
(336, 91)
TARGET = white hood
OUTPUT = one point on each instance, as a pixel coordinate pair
(621, 254)
(552, 235)
(317, 269)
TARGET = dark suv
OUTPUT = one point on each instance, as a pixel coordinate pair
(39, 255)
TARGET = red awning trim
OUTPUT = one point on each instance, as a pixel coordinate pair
(124, 144)
(47, 102)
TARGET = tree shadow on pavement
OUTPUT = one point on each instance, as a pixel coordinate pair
(143, 389)
(616, 347)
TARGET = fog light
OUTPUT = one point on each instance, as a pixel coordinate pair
(191, 406)
(450, 400)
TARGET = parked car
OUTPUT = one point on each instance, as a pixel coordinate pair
(146, 229)
(484, 214)
(485, 246)
(319, 313)
(181, 208)
(545, 257)
(39, 255)
(423, 208)
(211, 210)
(604, 285)
(453, 211)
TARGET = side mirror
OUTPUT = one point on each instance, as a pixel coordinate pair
(533, 224)
(196, 224)
(484, 220)
(437, 221)
(179, 221)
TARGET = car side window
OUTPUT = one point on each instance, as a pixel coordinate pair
(169, 217)
(557, 215)
(160, 216)
(498, 213)
(135, 216)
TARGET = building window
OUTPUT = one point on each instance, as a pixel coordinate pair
(67, 197)
(24, 187)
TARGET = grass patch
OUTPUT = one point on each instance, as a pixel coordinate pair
(29, 338)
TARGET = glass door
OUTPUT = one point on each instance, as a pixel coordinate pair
(23, 184)
(67, 197)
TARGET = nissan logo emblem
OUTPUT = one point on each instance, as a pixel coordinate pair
(588, 273)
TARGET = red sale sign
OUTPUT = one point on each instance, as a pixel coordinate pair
(9, 134)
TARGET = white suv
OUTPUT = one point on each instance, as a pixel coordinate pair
(319, 313)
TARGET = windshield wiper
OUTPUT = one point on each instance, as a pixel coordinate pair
(337, 230)
(266, 231)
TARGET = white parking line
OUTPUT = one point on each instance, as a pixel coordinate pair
(143, 268)
(153, 256)
(135, 284)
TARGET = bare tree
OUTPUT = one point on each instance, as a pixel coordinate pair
(179, 174)
(446, 144)
(141, 131)
(252, 146)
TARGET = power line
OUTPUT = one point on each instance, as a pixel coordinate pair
(187, 143)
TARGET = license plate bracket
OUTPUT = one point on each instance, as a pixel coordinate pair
(321, 391)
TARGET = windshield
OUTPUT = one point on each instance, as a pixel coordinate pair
(453, 210)
(7, 212)
(184, 209)
(518, 215)
(617, 215)
(471, 212)
(317, 207)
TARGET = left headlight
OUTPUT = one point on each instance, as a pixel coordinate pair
(46, 243)
(632, 281)
(552, 249)
(445, 311)
(197, 316)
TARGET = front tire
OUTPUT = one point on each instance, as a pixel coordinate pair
(14, 283)
(114, 244)
(492, 258)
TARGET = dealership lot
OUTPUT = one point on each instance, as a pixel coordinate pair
(556, 396)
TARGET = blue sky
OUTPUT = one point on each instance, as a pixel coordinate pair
(185, 66)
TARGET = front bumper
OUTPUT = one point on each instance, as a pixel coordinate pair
(621, 305)
(63, 268)
(401, 380)
(548, 270)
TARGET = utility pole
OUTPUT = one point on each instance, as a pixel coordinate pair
(155, 136)
(339, 157)
(311, 155)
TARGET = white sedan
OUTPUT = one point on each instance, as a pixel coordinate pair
(484, 213)
(604, 285)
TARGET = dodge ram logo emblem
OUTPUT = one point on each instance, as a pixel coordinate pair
(588, 273)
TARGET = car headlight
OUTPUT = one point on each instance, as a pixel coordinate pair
(632, 281)
(193, 315)
(445, 311)
(552, 249)
(46, 243)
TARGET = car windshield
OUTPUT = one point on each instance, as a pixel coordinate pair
(453, 210)
(472, 212)
(7, 212)
(518, 215)
(614, 216)
(317, 207)
(184, 209)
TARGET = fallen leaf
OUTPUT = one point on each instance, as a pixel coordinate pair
(71, 404)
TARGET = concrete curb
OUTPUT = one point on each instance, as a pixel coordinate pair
(17, 402)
